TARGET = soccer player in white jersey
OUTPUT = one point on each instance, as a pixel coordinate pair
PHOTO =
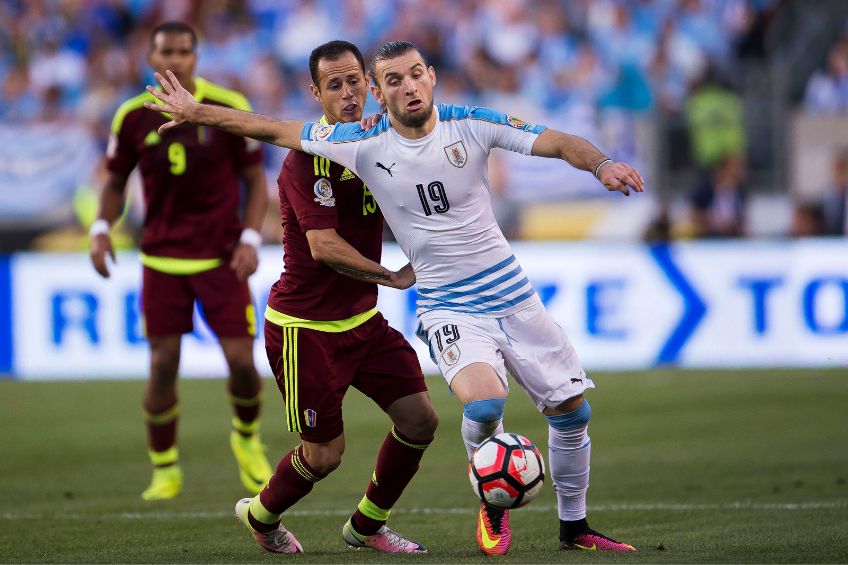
(426, 165)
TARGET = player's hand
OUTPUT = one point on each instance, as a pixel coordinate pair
(621, 177)
(404, 278)
(101, 246)
(245, 261)
(370, 122)
(173, 99)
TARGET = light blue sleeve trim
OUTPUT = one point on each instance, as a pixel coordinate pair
(304, 133)
(343, 133)
(453, 112)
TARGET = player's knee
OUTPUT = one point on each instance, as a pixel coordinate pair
(425, 423)
(418, 422)
(242, 369)
(484, 411)
(577, 418)
(323, 459)
(164, 366)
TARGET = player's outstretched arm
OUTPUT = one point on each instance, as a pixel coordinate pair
(175, 100)
(328, 247)
(109, 210)
(581, 154)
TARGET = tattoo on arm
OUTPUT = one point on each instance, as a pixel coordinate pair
(360, 274)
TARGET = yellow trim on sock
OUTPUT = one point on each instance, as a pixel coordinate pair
(301, 468)
(373, 511)
(246, 402)
(260, 513)
(161, 418)
(240, 425)
(421, 446)
(167, 457)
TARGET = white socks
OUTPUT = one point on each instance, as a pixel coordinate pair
(475, 433)
(568, 458)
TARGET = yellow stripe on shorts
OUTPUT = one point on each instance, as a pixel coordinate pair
(290, 378)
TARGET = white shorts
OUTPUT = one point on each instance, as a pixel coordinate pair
(529, 344)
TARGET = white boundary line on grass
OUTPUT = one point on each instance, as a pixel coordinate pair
(469, 510)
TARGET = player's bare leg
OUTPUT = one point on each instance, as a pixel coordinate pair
(161, 414)
(245, 389)
(483, 395)
(415, 423)
(568, 457)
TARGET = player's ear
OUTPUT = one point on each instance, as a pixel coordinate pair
(315, 92)
(377, 94)
(432, 72)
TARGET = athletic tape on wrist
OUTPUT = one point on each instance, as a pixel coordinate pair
(99, 227)
(251, 237)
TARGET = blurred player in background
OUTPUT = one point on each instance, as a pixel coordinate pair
(193, 248)
(323, 332)
(428, 171)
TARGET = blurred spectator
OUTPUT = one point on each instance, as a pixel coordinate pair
(835, 208)
(21, 102)
(715, 120)
(827, 91)
(718, 205)
(807, 219)
(660, 228)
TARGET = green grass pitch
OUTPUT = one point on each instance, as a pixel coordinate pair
(688, 466)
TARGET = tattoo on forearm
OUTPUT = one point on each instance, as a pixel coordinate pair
(359, 274)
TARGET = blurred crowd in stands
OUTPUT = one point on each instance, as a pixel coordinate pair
(591, 67)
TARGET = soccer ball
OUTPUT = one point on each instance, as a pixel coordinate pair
(507, 471)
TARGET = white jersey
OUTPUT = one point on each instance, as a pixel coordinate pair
(434, 194)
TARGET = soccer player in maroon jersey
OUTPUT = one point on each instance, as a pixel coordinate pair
(193, 247)
(323, 332)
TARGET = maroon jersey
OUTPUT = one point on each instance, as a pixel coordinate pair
(316, 193)
(190, 175)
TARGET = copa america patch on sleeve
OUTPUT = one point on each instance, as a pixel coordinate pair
(320, 132)
(519, 124)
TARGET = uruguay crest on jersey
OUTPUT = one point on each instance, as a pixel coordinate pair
(456, 154)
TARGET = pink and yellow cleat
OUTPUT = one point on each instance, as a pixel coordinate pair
(591, 540)
(384, 541)
(493, 533)
(279, 540)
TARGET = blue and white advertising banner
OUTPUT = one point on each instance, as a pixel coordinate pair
(629, 306)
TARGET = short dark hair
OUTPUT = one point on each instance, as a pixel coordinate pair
(331, 51)
(173, 27)
(391, 50)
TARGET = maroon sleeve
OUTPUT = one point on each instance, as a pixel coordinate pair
(121, 154)
(307, 194)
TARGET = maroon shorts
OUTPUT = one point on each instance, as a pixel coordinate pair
(167, 302)
(314, 370)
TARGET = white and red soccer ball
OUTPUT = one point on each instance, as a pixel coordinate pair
(507, 471)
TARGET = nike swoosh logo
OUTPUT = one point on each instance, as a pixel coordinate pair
(488, 542)
(593, 548)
